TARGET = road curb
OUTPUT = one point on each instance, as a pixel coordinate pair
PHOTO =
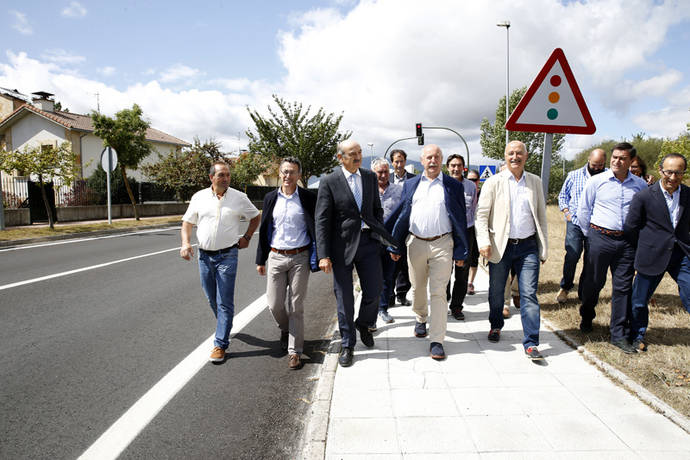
(68, 236)
(629, 384)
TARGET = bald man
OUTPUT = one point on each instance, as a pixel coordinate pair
(512, 205)
(568, 200)
(349, 233)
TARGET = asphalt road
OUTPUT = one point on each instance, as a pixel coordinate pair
(79, 350)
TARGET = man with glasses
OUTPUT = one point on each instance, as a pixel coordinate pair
(601, 213)
(286, 253)
(659, 219)
(567, 202)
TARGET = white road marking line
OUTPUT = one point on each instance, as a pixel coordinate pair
(83, 269)
(80, 240)
(120, 435)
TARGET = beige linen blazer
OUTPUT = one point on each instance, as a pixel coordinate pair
(493, 214)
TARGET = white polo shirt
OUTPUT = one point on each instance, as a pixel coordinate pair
(218, 220)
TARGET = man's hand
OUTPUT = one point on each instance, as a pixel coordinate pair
(485, 252)
(243, 243)
(395, 257)
(186, 251)
(325, 265)
(459, 263)
(261, 270)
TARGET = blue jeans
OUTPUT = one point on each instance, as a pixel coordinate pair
(217, 274)
(574, 242)
(645, 285)
(524, 259)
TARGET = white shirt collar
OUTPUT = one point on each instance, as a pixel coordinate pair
(348, 173)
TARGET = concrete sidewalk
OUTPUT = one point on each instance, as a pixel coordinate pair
(486, 400)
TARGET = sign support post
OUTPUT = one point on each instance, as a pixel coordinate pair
(546, 164)
(108, 163)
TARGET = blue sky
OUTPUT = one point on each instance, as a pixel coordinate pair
(385, 64)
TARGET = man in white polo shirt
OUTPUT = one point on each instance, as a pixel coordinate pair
(216, 212)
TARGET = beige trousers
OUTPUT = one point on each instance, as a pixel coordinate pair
(287, 277)
(430, 264)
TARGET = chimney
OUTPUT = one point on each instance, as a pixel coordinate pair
(43, 101)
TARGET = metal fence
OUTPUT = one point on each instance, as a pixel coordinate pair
(15, 191)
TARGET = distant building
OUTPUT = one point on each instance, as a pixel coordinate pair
(37, 123)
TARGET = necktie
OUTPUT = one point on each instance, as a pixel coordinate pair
(356, 191)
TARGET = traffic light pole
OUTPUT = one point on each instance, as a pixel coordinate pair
(395, 142)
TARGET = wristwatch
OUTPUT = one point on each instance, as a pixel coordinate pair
(247, 237)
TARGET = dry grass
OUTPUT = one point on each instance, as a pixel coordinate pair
(665, 368)
(20, 233)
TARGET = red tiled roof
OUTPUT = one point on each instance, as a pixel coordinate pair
(81, 122)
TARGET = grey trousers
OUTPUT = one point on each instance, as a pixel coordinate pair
(287, 277)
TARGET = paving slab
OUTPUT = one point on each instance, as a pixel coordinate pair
(487, 400)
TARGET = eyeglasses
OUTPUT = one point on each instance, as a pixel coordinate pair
(289, 173)
(669, 173)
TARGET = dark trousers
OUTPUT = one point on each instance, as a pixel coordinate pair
(368, 264)
(388, 269)
(645, 285)
(402, 276)
(574, 244)
(617, 254)
(461, 274)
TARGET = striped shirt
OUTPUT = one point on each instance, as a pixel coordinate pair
(572, 190)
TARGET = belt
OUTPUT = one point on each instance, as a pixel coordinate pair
(520, 240)
(606, 231)
(290, 252)
(433, 238)
(219, 251)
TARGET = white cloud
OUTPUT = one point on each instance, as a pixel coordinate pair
(62, 57)
(74, 10)
(21, 23)
(179, 72)
(107, 71)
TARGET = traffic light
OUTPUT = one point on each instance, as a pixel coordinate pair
(418, 128)
(420, 139)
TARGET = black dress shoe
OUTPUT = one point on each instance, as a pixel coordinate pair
(585, 326)
(345, 358)
(366, 336)
(457, 313)
(404, 302)
(624, 346)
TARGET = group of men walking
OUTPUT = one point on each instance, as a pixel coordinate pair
(414, 231)
(625, 225)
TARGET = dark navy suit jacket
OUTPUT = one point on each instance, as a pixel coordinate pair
(455, 207)
(649, 222)
(266, 229)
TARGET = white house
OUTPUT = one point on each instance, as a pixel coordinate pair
(39, 124)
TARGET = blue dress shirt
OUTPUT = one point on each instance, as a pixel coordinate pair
(606, 200)
(572, 189)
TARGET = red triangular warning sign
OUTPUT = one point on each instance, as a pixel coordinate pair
(553, 103)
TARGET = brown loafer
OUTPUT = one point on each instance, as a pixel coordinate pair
(294, 362)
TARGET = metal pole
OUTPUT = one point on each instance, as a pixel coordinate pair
(2, 206)
(507, 76)
(459, 135)
(107, 175)
(395, 142)
(546, 163)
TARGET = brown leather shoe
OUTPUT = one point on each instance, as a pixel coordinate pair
(294, 362)
(217, 355)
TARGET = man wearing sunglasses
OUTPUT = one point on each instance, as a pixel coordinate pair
(660, 219)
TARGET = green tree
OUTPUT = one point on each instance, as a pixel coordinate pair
(185, 172)
(290, 131)
(246, 168)
(679, 145)
(493, 142)
(126, 133)
(646, 147)
(47, 162)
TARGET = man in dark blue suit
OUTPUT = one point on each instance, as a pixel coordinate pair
(349, 234)
(432, 225)
(286, 253)
(659, 218)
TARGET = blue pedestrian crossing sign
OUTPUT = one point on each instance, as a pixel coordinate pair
(486, 171)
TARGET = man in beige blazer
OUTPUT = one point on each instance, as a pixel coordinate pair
(511, 234)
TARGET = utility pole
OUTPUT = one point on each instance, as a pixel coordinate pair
(506, 24)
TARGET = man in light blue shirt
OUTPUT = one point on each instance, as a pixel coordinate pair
(390, 195)
(601, 214)
(568, 199)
